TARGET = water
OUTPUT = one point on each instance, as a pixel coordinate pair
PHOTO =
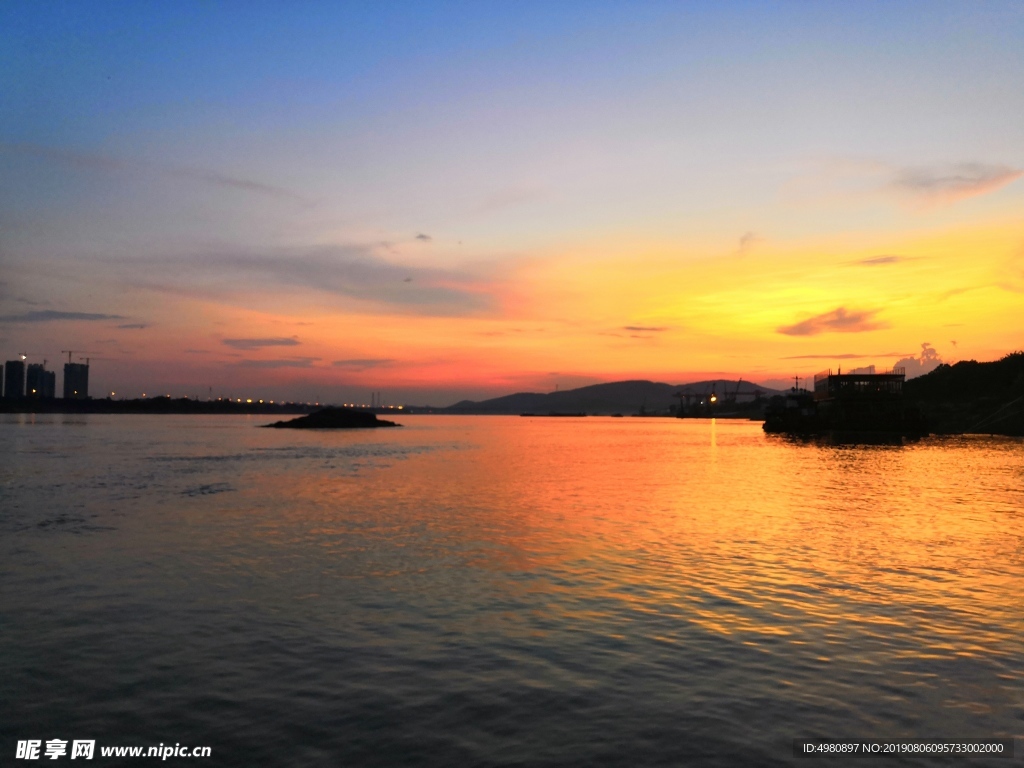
(503, 591)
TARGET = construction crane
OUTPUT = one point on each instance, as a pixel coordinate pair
(27, 355)
(709, 397)
(736, 392)
(69, 352)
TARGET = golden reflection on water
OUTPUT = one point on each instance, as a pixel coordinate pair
(711, 523)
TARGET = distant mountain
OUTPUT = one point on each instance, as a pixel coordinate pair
(974, 397)
(625, 397)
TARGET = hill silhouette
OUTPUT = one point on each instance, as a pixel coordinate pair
(972, 397)
(626, 397)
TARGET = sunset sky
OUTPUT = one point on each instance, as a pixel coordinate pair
(448, 200)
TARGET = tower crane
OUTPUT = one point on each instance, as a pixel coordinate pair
(27, 355)
(69, 352)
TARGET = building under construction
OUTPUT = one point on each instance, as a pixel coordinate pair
(37, 383)
(76, 381)
(40, 384)
(14, 379)
(859, 406)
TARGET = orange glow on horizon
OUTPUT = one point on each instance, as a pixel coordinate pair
(644, 313)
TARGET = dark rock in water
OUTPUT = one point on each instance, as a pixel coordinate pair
(334, 418)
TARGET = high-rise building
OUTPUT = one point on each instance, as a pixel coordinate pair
(14, 378)
(40, 384)
(76, 381)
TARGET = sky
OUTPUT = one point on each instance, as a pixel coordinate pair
(438, 201)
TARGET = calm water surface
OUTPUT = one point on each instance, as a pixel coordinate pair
(503, 591)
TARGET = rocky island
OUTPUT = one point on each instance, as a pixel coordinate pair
(334, 418)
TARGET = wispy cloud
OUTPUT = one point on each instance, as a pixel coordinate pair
(363, 364)
(958, 291)
(952, 183)
(859, 180)
(1011, 274)
(5, 293)
(878, 261)
(424, 238)
(94, 161)
(508, 198)
(746, 243)
(846, 356)
(644, 328)
(134, 326)
(249, 344)
(292, 362)
(353, 271)
(839, 320)
(235, 182)
(52, 315)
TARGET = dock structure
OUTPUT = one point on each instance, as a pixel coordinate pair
(860, 385)
(861, 406)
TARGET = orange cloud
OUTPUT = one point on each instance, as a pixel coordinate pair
(839, 320)
(950, 184)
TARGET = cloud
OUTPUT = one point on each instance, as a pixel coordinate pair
(958, 291)
(363, 364)
(5, 293)
(294, 362)
(844, 356)
(839, 320)
(952, 183)
(860, 181)
(94, 161)
(927, 361)
(644, 328)
(134, 326)
(235, 182)
(249, 344)
(1011, 274)
(510, 331)
(877, 261)
(51, 315)
(746, 243)
(351, 271)
(508, 198)
(424, 238)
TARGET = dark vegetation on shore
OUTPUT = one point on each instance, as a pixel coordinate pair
(972, 397)
(334, 418)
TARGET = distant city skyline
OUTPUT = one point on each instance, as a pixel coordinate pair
(441, 202)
